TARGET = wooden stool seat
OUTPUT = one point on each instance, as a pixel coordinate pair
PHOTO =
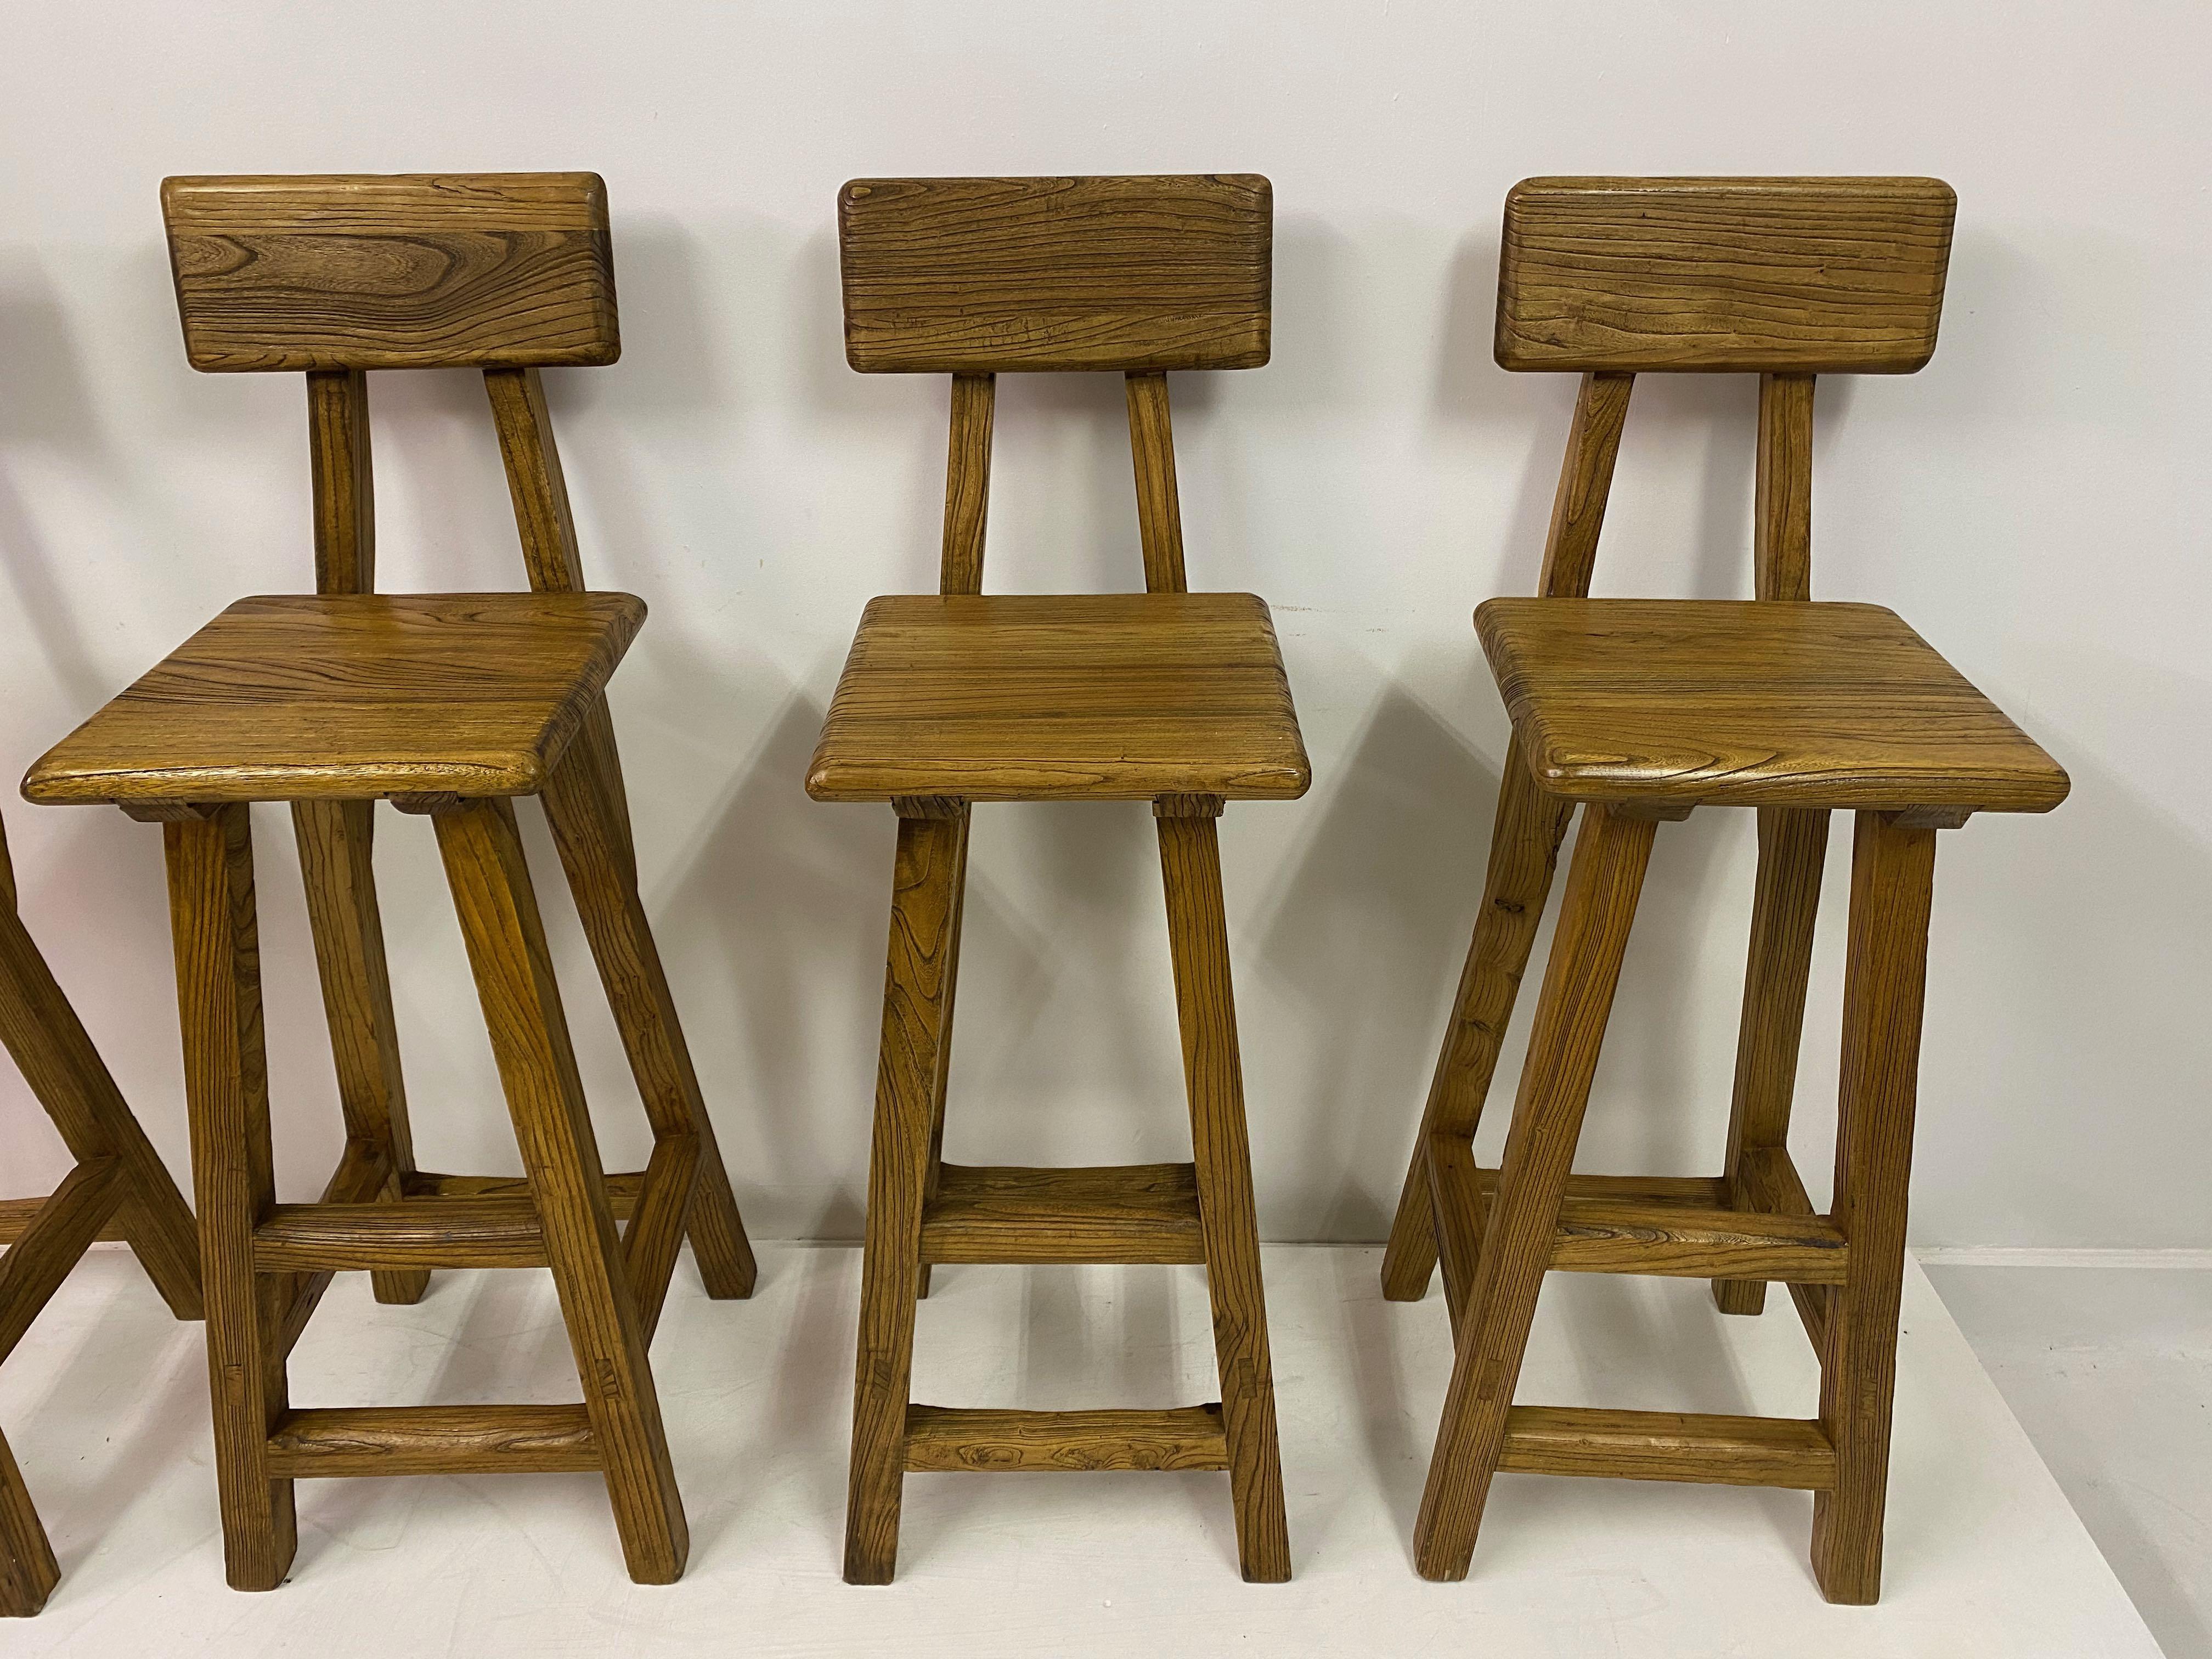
(353, 696)
(1093, 696)
(1745, 703)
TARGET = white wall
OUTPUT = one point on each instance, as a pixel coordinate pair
(2034, 502)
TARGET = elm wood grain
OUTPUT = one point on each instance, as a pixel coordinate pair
(918, 962)
(386, 1440)
(211, 915)
(1459, 1209)
(337, 842)
(589, 817)
(349, 697)
(956, 907)
(41, 1257)
(359, 271)
(1782, 503)
(1141, 1213)
(1109, 696)
(623, 1188)
(1745, 703)
(1767, 1181)
(1885, 987)
(364, 1177)
(1524, 850)
(652, 1238)
(1206, 1009)
(423, 1232)
(65, 1073)
(1159, 508)
(1585, 482)
(982, 276)
(1811, 276)
(28, 1571)
(967, 483)
(1603, 881)
(342, 476)
(943, 1439)
(18, 1213)
(500, 923)
(1729, 1451)
(1793, 848)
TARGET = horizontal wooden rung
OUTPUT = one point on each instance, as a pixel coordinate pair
(16, 1213)
(1732, 1451)
(411, 1232)
(1633, 1225)
(947, 1438)
(1142, 1212)
(372, 1440)
(622, 1190)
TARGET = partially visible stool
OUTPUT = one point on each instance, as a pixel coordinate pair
(450, 705)
(119, 1189)
(1639, 711)
(1167, 696)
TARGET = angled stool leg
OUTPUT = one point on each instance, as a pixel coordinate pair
(1793, 848)
(536, 1067)
(28, 1571)
(1198, 936)
(916, 982)
(336, 841)
(1885, 983)
(211, 914)
(49, 1047)
(584, 804)
(1603, 883)
(1524, 848)
(959, 905)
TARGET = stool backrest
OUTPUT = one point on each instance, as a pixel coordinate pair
(1786, 278)
(334, 275)
(977, 277)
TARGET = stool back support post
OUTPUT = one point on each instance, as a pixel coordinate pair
(976, 278)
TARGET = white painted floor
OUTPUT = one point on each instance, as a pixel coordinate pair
(105, 1406)
(2110, 1371)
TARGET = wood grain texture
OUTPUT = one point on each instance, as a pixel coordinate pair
(942, 1439)
(18, 1213)
(1205, 1009)
(1782, 499)
(1765, 1180)
(1811, 276)
(1159, 507)
(1108, 697)
(1524, 850)
(1885, 987)
(411, 1232)
(359, 271)
(967, 484)
(1793, 848)
(1603, 881)
(491, 889)
(914, 1005)
(28, 1571)
(342, 476)
(41, 1257)
(982, 276)
(294, 697)
(218, 957)
(1585, 482)
(386, 1440)
(1732, 1451)
(1131, 1213)
(535, 481)
(1741, 703)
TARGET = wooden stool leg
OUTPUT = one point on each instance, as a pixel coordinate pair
(28, 1571)
(1885, 982)
(65, 1072)
(1198, 936)
(1524, 848)
(916, 983)
(1793, 848)
(211, 915)
(336, 841)
(959, 905)
(1603, 883)
(537, 1069)
(590, 823)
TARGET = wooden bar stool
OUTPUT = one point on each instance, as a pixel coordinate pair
(1637, 711)
(1170, 696)
(450, 705)
(119, 1189)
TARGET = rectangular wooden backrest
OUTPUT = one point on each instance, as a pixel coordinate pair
(359, 271)
(1772, 275)
(984, 276)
